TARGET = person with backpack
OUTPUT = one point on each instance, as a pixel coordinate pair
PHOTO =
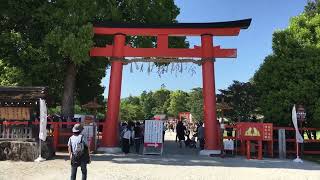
(79, 152)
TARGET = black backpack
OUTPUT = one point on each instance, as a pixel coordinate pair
(80, 149)
(81, 153)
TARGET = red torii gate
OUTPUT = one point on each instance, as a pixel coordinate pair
(207, 52)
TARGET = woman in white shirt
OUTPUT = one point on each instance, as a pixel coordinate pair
(127, 134)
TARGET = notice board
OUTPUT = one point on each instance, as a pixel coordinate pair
(153, 137)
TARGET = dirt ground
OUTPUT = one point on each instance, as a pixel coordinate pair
(174, 164)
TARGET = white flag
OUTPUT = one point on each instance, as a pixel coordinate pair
(43, 120)
(295, 124)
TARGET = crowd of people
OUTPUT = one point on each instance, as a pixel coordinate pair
(189, 135)
(131, 134)
(186, 130)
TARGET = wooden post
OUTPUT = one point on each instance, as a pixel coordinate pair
(260, 150)
(55, 135)
(248, 150)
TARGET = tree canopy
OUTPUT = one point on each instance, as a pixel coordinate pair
(195, 103)
(47, 43)
(291, 75)
(241, 97)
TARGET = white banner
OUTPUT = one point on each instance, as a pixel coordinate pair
(295, 124)
(43, 120)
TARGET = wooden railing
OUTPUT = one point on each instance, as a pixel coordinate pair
(288, 140)
(54, 131)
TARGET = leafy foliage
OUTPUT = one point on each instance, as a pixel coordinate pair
(291, 74)
(162, 99)
(147, 103)
(40, 41)
(241, 97)
(195, 104)
(178, 103)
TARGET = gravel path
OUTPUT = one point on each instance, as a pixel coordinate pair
(170, 166)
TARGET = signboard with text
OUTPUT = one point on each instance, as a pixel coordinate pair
(15, 113)
(153, 137)
(255, 131)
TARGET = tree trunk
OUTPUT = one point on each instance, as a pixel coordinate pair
(67, 108)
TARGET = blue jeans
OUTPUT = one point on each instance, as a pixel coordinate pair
(83, 170)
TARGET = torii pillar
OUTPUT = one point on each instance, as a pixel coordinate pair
(209, 98)
(110, 133)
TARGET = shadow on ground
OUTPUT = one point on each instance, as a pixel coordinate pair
(174, 156)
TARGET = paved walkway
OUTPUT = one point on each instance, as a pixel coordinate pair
(174, 164)
(172, 148)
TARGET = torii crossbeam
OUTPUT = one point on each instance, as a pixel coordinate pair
(206, 51)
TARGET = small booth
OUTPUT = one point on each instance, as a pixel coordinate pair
(253, 135)
(19, 126)
(19, 107)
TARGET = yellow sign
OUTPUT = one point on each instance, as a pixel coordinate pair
(252, 132)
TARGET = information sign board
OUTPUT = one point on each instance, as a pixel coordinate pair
(153, 137)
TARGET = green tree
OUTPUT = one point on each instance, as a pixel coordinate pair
(291, 74)
(131, 109)
(9, 76)
(242, 98)
(160, 98)
(178, 103)
(147, 103)
(48, 41)
(196, 104)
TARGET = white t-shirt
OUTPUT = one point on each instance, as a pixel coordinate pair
(127, 134)
(75, 140)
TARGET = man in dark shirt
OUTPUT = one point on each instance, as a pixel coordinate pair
(137, 136)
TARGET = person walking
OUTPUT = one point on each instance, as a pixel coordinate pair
(180, 129)
(137, 136)
(79, 152)
(200, 134)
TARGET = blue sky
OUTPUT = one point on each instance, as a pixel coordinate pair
(253, 44)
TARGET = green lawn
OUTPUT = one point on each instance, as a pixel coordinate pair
(306, 136)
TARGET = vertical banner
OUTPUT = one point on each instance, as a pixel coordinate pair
(43, 120)
(153, 137)
(295, 124)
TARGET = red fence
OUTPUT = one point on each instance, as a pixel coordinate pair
(55, 131)
(306, 141)
(291, 141)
